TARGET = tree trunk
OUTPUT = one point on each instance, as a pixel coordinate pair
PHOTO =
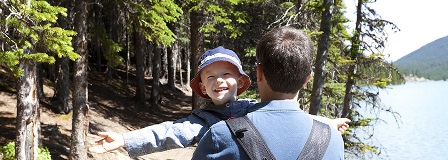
(173, 52)
(171, 67)
(346, 110)
(148, 57)
(140, 65)
(156, 71)
(188, 71)
(183, 63)
(62, 91)
(321, 59)
(40, 82)
(196, 45)
(80, 121)
(96, 42)
(348, 92)
(164, 64)
(128, 51)
(27, 121)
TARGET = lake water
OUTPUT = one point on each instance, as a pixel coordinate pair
(423, 133)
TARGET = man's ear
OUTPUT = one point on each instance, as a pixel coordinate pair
(202, 87)
(260, 74)
(308, 78)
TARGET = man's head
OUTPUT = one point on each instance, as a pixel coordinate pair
(220, 76)
(284, 56)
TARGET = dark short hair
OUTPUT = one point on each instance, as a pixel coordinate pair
(286, 55)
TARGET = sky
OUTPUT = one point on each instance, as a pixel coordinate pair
(420, 22)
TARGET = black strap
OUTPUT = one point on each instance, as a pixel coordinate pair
(249, 138)
(317, 143)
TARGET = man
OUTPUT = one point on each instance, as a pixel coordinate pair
(284, 62)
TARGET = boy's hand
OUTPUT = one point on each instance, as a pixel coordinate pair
(110, 142)
(341, 124)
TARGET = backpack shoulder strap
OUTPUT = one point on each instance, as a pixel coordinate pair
(249, 138)
(317, 143)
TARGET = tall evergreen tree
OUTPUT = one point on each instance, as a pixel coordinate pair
(321, 58)
(151, 20)
(196, 50)
(365, 67)
(80, 123)
(28, 32)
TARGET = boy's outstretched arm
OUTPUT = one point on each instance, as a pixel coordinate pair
(341, 124)
(111, 141)
(154, 138)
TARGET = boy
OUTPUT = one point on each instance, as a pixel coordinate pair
(220, 78)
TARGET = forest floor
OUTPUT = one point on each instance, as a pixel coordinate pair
(112, 108)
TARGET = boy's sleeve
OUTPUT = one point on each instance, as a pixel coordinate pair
(165, 136)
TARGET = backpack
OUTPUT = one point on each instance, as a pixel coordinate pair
(254, 145)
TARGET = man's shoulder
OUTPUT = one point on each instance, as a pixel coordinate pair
(219, 133)
(221, 125)
(221, 129)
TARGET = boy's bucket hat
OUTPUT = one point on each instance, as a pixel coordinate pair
(215, 55)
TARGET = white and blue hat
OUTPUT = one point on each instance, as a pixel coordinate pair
(215, 55)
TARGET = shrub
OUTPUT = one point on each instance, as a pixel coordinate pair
(9, 152)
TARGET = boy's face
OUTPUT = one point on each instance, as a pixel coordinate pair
(219, 81)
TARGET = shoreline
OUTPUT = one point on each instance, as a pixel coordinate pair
(412, 78)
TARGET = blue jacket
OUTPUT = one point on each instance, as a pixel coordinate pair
(183, 132)
(282, 124)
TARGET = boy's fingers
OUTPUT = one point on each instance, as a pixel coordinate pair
(95, 142)
(346, 120)
(100, 142)
(103, 134)
(97, 149)
(342, 129)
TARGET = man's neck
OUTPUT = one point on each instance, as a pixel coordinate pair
(278, 96)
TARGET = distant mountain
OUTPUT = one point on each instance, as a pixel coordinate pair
(429, 61)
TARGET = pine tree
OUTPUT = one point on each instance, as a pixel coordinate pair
(28, 33)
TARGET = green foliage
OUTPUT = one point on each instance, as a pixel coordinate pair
(364, 122)
(250, 94)
(222, 17)
(250, 52)
(109, 48)
(377, 72)
(153, 17)
(43, 153)
(9, 58)
(9, 152)
(58, 40)
(348, 62)
(382, 82)
(44, 12)
(30, 34)
(40, 57)
(332, 94)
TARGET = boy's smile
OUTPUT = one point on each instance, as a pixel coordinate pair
(221, 89)
(219, 81)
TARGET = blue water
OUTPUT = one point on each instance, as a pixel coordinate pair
(423, 133)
